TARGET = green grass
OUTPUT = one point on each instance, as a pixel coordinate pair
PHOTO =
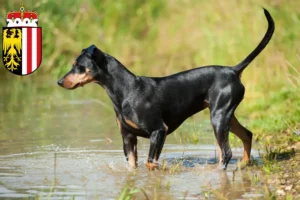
(157, 38)
(127, 193)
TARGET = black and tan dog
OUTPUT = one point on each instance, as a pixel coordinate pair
(155, 107)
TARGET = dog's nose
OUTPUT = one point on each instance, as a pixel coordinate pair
(60, 82)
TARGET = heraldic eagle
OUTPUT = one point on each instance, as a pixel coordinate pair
(12, 45)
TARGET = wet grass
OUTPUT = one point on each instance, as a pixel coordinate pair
(127, 193)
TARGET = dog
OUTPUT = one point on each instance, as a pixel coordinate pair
(154, 107)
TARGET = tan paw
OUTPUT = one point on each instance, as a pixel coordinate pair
(152, 166)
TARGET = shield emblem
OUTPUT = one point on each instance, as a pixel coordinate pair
(22, 49)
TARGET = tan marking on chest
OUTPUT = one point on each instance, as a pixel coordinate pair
(118, 123)
(131, 124)
(167, 128)
(206, 103)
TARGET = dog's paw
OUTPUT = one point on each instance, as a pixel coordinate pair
(152, 166)
(221, 166)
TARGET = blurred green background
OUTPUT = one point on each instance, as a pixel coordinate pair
(157, 38)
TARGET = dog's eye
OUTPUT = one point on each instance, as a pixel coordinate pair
(80, 68)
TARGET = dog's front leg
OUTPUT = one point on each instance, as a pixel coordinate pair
(157, 140)
(130, 149)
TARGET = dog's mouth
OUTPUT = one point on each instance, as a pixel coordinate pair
(73, 81)
(75, 86)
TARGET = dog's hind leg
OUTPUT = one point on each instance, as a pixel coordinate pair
(245, 135)
(220, 124)
(223, 103)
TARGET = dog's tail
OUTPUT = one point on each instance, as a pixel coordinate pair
(271, 27)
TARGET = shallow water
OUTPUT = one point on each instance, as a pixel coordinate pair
(60, 144)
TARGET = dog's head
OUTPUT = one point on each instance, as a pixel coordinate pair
(88, 67)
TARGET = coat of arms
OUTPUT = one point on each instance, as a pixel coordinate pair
(22, 42)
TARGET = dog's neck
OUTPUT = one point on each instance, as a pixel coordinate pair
(117, 75)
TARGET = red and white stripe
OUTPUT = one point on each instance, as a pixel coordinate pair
(31, 49)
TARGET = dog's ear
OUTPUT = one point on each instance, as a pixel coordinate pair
(90, 49)
(98, 56)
